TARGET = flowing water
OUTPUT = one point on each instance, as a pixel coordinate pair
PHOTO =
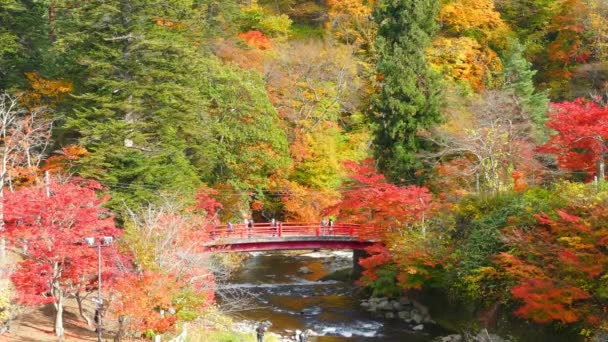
(291, 300)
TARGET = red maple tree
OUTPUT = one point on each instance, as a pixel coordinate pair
(47, 227)
(582, 136)
(558, 264)
(378, 205)
(387, 211)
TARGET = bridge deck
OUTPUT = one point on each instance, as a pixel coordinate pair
(286, 236)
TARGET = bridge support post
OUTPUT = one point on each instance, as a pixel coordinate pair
(358, 269)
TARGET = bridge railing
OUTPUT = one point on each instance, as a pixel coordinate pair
(284, 229)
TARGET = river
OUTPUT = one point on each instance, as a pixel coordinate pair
(291, 300)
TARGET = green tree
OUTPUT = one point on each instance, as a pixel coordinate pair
(137, 102)
(409, 98)
(247, 144)
(529, 18)
(157, 111)
(519, 78)
(23, 40)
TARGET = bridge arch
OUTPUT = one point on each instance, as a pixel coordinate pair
(290, 236)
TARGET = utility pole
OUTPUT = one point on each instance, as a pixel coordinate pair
(98, 243)
(47, 183)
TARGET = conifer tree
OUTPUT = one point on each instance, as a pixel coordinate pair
(519, 79)
(410, 95)
(151, 102)
(137, 93)
(23, 40)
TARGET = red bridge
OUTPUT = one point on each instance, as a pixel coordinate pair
(285, 236)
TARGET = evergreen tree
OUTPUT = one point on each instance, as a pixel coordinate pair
(519, 79)
(410, 96)
(151, 102)
(23, 40)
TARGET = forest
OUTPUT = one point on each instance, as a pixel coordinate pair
(469, 139)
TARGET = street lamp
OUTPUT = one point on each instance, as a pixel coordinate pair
(98, 243)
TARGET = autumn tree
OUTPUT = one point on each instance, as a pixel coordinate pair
(398, 218)
(47, 226)
(478, 19)
(557, 266)
(167, 243)
(25, 136)
(464, 59)
(318, 99)
(350, 22)
(597, 23)
(144, 303)
(409, 95)
(580, 139)
(489, 136)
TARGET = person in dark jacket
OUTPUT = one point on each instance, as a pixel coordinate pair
(260, 331)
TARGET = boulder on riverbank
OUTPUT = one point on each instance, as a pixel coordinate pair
(344, 274)
(482, 336)
(304, 270)
(409, 311)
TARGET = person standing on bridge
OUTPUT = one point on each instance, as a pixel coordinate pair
(249, 226)
(323, 224)
(274, 226)
(331, 226)
(229, 226)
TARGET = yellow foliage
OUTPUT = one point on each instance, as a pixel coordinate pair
(598, 27)
(305, 204)
(349, 20)
(464, 59)
(461, 16)
(43, 91)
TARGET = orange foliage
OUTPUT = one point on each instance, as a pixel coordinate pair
(233, 203)
(381, 206)
(244, 58)
(302, 203)
(142, 297)
(43, 91)
(257, 205)
(24, 176)
(206, 202)
(464, 15)
(518, 181)
(256, 39)
(388, 213)
(63, 159)
(378, 256)
(168, 23)
(545, 301)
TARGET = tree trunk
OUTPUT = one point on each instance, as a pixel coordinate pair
(601, 169)
(79, 300)
(58, 295)
(121, 326)
(59, 318)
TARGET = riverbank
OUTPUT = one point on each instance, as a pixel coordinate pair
(294, 292)
(313, 290)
